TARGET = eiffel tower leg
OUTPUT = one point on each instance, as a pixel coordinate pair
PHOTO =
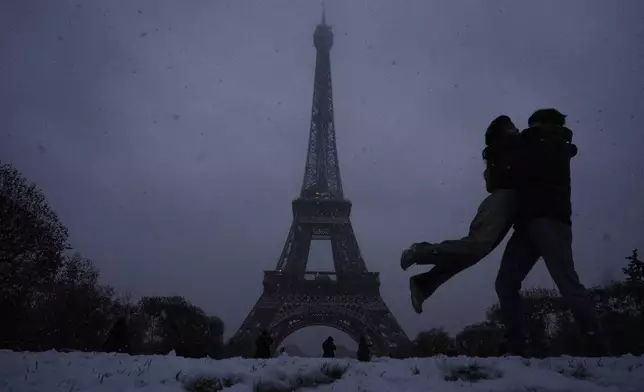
(296, 250)
(395, 342)
(346, 253)
(258, 320)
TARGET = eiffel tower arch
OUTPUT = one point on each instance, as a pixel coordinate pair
(348, 299)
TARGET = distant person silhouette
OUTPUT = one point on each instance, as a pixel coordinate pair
(118, 339)
(263, 345)
(328, 348)
(364, 353)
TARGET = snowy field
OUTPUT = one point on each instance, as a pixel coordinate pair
(71, 372)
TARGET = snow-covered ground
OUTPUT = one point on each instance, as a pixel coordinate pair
(70, 372)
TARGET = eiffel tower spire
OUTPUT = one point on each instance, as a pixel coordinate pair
(323, 13)
(322, 171)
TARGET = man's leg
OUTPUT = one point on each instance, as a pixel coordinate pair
(517, 261)
(492, 222)
(554, 241)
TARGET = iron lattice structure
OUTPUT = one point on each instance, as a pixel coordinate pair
(348, 299)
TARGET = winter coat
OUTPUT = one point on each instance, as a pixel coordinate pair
(542, 173)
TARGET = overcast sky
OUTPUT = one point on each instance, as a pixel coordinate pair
(170, 136)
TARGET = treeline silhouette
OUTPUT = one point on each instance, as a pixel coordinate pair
(50, 299)
(549, 324)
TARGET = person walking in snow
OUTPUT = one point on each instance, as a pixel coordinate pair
(328, 348)
(492, 222)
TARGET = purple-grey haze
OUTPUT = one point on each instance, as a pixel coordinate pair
(170, 136)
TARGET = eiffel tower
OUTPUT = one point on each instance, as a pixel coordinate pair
(347, 299)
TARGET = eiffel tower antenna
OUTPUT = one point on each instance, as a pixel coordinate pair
(323, 13)
(347, 299)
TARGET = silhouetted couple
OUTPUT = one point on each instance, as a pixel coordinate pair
(527, 174)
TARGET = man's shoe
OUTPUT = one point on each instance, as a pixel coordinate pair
(416, 296)
(415, 252)
(407, 258)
